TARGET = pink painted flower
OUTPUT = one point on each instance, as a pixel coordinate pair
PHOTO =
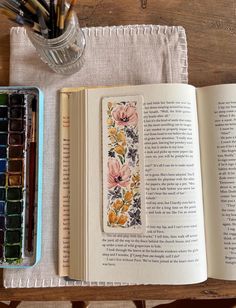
(118, 175)
(125, 115)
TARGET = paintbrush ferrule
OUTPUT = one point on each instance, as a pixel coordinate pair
(28, 6)
(42, 24)
(37, 5)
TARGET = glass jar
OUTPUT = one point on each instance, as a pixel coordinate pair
(63, 54)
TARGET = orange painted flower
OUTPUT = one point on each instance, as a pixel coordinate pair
(122, 219)
(118, 175)
(128, 196)
(125, 115)
(125, 208)
(112, 217)
(117, 205)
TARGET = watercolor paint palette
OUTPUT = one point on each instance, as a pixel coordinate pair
(21, 143)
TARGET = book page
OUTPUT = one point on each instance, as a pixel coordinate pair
(123, 165)
(64, 183)
(64, 189)
(173, 249)
(217, 125)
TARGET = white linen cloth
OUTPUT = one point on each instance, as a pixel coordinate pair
(122, 55)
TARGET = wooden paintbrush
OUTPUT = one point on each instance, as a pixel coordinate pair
(20, 20)
(70, 11)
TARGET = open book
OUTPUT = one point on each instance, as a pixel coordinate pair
(189, 149)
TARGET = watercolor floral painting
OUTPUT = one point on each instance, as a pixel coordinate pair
(123, 192)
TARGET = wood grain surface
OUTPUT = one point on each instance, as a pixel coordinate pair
(211, 33)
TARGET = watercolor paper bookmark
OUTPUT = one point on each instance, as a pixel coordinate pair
(123, 163)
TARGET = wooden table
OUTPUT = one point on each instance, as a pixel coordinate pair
(211, 33)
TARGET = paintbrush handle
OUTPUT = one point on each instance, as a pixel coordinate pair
(52, 19)
(32, 173)
(70, 10)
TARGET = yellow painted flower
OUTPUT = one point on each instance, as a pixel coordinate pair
(112, 131)
(122, 219)
(109, 121)
(119, 149)
(113, 139)
(121, 137)
(112, 217)
(128, 196)
(117, 205)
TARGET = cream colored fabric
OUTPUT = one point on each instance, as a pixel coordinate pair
(92, 304)
(138, 54)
